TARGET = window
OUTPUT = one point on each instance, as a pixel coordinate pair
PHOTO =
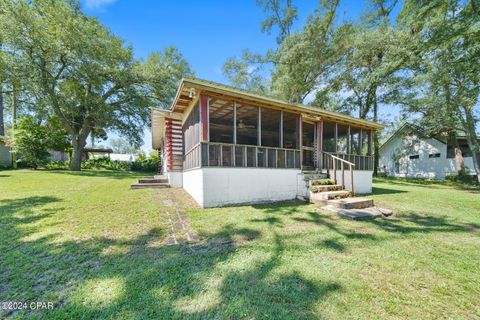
(416, 156)
(434, 155)
(221, 120)
(270, 127)
(290, 130)
(247, 124)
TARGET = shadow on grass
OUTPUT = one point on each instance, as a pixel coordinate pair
(103, 173)
(152, 281)
(427, 183)
(282, 207)
(379, 191)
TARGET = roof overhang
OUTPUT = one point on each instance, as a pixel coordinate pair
(191, 88)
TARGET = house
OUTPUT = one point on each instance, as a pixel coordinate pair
(413, 153)
(225, 145)
(5, 154)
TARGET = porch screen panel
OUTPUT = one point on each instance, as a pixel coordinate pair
(221, 120)
(329, 144)
(308, 137)
(366, 140)
(191, 129)
(227, 156)
(290, 131)
(342, 139)
(355, 140)
(270, 127)
(247, 124)
(261, 157)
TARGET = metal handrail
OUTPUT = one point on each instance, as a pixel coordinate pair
(342, 162)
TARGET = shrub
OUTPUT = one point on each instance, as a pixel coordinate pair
(322, 182)
(462, 177)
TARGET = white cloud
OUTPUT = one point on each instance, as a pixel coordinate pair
(98, 4)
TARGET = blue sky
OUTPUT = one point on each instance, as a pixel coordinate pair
(206, 32)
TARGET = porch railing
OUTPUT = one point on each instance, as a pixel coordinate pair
(335, 161)
(361, 162)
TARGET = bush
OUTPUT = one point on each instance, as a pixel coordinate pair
(323, 182)
(462, 177)
(142, 163)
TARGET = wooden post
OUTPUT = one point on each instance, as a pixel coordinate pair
(334, 169)
(343, 175)
(319, 144)
(204, 116)
(300, 142)
(351, 180)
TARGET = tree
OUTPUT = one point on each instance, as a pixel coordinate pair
(33, 139)
(281, 14)
(77, 70)
(446, 75)
(120, 145)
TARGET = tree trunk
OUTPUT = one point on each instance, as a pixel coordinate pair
(376, 144)
(14, 125)
(2, 123)
(472, 139)
(459, 161)
(76, 159)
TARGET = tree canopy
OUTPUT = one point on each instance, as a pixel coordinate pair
(73, 67)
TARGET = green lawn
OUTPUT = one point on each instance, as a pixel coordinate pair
(98, 250)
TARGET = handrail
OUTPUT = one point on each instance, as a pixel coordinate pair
(342, 168)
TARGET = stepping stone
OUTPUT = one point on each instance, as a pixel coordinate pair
(352, 203)
(359, 214)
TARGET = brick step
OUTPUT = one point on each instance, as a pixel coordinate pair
(323, 187)
(149, 185)
(351, 203)
(152, 180)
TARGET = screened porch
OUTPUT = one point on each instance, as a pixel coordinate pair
(222, 132)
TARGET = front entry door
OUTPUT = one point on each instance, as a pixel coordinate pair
(308, 145)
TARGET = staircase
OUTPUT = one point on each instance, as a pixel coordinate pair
(157, 182)
(335, 198)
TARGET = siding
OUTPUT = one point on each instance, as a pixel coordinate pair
(5, 156)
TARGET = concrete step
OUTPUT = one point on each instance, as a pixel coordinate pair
(149, 185)
(323, 188)
(152, 180)
(356, 214)
(351, 203)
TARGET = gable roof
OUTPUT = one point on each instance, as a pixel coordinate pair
(189, 86)
(408, 125)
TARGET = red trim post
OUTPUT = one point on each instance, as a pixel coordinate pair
(204, 116)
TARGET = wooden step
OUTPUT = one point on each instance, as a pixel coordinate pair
(323, 197)
(325, 187)
(149, 185)
(352, 203)
(152, 180)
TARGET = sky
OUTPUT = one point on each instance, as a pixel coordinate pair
(206, 32)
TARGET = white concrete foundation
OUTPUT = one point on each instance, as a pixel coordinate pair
(213, 187)
(175, 179)
(362, 181)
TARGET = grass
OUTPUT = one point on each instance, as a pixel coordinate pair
(97, 250)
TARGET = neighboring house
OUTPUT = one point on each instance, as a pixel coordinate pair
(5, 154)
(225, 145)
(411, 152)
(123, 157)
